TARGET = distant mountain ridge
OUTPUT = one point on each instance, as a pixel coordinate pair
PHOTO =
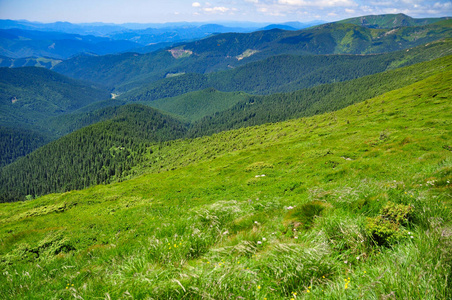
(19, 43)
(108, 29)
(390, 21)
(231, 50)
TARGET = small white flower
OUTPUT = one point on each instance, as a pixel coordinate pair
(259, 242)
(357, 257)
(289, 207)
(412, 236)
(255, 222)
(296, 237)
(345, 262)
(409, 232)
(264, 239)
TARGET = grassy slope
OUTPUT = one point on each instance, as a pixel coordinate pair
(196, 105)
(210, 228)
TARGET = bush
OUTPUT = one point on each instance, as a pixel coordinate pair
(386, 229)
(397, 213)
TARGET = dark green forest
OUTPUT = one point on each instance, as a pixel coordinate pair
(95, 154)
(16, 142)
(31, 95)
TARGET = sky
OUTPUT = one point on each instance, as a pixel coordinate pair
(162, 11)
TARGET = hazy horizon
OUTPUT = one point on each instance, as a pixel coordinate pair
(258, 11)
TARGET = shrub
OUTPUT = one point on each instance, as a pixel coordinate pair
(386, 229)
(397, 213)
(383, 232)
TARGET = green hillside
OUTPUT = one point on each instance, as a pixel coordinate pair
(29, 98)
(28, 62)
(390, 21)
(354, 204)
(31, 95)
(221, 52)
(307, 102)
(196, 105)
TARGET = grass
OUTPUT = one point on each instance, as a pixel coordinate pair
(196, 105)
(203, 222)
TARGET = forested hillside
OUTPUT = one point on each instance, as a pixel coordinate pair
(17, 142)
(30, 95)
(196, 105)
(307, 102)
(28, 62)
(95, 154)
(287, 73)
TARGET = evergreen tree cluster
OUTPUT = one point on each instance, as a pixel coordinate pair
(16, 142)
(95, 154)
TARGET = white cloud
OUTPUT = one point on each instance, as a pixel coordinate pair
(349, 11)
(196, 4)
(321, 3)
(217, 9)
(412, 1)
(447, 5)
(252, 1)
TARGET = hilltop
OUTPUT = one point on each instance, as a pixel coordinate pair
(390, 21)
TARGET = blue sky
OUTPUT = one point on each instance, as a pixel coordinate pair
(151, 11)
